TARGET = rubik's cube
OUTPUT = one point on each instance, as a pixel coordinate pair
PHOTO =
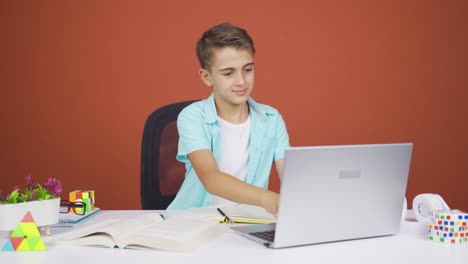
(449, 227)
(85, 196)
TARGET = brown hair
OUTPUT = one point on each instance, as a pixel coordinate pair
(220, 36)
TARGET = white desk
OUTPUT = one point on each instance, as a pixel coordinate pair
(410, 246)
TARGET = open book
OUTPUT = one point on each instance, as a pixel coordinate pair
(238, 213)
(147, 231)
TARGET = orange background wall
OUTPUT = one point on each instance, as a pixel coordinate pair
(79, 78)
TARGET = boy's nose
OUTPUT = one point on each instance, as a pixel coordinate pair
(240, 80)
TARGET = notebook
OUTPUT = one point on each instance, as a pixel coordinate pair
(337, 193)
(71, 219)
(238, 213)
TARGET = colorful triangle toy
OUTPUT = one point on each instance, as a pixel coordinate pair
(26, 237)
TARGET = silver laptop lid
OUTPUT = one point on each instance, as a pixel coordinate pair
(332, 193)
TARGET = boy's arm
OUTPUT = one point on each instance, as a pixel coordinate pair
(229, 187)
(279, 168)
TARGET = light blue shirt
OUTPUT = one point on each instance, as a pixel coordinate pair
(199, 128)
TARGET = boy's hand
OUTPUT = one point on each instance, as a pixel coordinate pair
(269, 201)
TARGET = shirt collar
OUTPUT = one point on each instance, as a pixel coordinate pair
(211, 116)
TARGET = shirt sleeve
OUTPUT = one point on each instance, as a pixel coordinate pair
(192, 133)
(282, 138)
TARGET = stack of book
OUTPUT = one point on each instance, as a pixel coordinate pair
(71, 219)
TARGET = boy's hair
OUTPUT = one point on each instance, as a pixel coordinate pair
(220, 36)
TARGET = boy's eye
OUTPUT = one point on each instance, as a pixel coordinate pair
(227, 73)
(249, 69)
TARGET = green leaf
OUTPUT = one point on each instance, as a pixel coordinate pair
(42, 193)
(13, 197)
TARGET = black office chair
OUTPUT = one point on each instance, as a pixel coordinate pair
(161, 174)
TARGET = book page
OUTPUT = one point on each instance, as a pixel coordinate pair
(97, 239)
(130, 226)
(109, 230)
(174, 234)
(83, 231)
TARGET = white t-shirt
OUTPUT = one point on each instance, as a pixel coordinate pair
(234, 152)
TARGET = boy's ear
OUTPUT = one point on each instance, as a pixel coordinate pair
(206, 77)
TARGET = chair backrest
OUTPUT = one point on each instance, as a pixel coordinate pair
(161, 175)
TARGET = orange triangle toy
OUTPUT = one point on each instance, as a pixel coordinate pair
(26, 237)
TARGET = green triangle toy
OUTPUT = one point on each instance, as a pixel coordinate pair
(26, 237)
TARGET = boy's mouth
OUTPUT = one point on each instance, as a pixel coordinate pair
(240, 92)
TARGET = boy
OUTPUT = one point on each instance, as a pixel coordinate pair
(228, 142)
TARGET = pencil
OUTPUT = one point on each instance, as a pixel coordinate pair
(225, 216)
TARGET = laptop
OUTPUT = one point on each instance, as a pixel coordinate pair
(337, 193)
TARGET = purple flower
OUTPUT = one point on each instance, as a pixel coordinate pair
(54, 186)
(2, 196)
(30, 182)
(15, 188)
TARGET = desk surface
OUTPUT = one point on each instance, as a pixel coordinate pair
(409, 246)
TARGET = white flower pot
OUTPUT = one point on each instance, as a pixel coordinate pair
(44, 213)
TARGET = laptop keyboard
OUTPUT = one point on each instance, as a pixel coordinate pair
(267, 235)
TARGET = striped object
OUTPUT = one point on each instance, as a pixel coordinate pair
(450, 227)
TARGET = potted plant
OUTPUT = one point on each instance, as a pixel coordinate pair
(43, 201)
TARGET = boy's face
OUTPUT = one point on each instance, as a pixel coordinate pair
(231, 75)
